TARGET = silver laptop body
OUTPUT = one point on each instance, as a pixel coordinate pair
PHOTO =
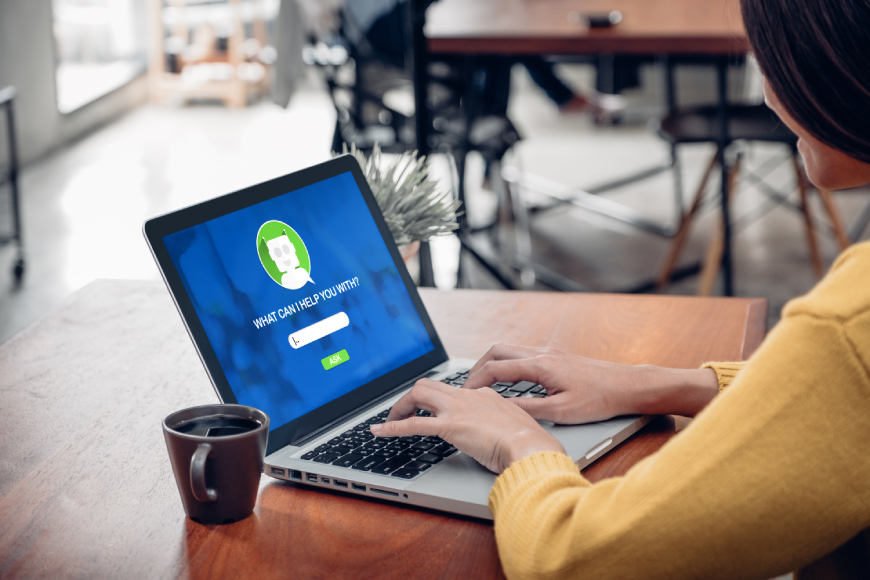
(458, 484)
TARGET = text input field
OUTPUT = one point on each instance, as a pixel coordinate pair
(318, 330)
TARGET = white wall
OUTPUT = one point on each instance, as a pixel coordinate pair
(27, 61)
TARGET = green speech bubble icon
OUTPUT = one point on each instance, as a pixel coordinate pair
(283, 255)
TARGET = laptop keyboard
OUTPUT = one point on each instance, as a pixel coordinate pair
(402, 457)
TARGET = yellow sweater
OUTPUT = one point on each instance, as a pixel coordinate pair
(772, 476)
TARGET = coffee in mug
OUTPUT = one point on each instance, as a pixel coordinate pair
(217, 454)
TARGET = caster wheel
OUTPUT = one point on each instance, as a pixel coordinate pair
(18, 270)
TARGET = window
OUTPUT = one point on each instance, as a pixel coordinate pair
(100, 47)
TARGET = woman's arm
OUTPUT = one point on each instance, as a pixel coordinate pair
(582, 390)
(768, 478)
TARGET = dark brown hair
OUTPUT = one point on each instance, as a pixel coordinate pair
(816, 57)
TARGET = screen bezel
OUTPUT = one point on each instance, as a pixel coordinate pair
(155, 229)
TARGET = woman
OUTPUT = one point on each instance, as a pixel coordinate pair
(774, 474)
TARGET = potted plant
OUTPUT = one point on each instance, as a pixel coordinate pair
(413, 205)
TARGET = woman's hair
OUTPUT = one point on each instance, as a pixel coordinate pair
(816, 57)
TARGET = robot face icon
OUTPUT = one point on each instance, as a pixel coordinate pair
(283, 255)
(283, 252)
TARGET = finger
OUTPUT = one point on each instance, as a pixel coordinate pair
(546, 409)
(507, 371)
(504, 352)
(407, 427)
(426, 395)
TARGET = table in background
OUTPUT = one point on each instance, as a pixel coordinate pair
(86, 488)
(711, 28)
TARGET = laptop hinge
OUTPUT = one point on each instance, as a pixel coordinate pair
(360, 410)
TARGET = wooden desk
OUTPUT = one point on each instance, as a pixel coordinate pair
(86, 488)
(548, 27)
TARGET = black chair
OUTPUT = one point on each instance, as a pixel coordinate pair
(746, 123)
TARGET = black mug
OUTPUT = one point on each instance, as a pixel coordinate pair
(217, 454)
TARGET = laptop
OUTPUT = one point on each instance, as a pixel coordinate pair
(299, 304)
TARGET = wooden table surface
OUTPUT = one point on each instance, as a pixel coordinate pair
(86, 489)
(552, 27)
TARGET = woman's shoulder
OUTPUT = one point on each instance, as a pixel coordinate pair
(843, 294)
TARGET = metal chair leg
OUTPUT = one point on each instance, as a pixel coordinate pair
(685, 224)
(713, 260)
(803, 190)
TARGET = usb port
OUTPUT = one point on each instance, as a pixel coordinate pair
(312, 477)
(294, 474)
(324, 480)
(357, 487)
(383, 491)
(340, 483)
(276, 471)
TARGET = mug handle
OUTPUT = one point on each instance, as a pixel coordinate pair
(197, 474)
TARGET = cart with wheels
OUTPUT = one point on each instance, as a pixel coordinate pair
(11, 226)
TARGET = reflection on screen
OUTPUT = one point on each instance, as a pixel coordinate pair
(299, 298)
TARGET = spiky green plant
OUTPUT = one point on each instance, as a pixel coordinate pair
(413, 206)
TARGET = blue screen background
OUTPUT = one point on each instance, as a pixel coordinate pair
(229, 288)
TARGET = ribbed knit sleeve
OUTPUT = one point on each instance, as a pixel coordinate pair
(726, 372)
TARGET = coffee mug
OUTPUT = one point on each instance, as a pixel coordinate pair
(217, 454)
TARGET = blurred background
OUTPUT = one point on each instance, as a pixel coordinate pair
(578, 169)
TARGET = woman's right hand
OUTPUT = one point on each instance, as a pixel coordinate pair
(583, 390)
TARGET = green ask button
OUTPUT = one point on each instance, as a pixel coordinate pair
(334, 360)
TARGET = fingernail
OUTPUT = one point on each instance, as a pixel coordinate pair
(376, 428)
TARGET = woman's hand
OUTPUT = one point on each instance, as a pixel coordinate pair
(582, 390)
(478, 422)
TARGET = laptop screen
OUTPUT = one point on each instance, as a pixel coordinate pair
(299, 298)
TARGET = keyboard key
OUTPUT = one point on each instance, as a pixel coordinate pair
(539, 389)
(443, 450)
(310, 455)
(424, 445)
(348, 460)
(523, 386)
(366, 463)
(335, 440)
(322, 448)
(418, 465)
(391, 464)
(413, 452)
(538, 395)
(405, 473)
(499, 389)
(326, 457)
(510, 394)
(342, 449)
(453, 377)
(430, 458)
(507, 385)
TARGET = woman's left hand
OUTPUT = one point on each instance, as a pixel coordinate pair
(478, 422)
